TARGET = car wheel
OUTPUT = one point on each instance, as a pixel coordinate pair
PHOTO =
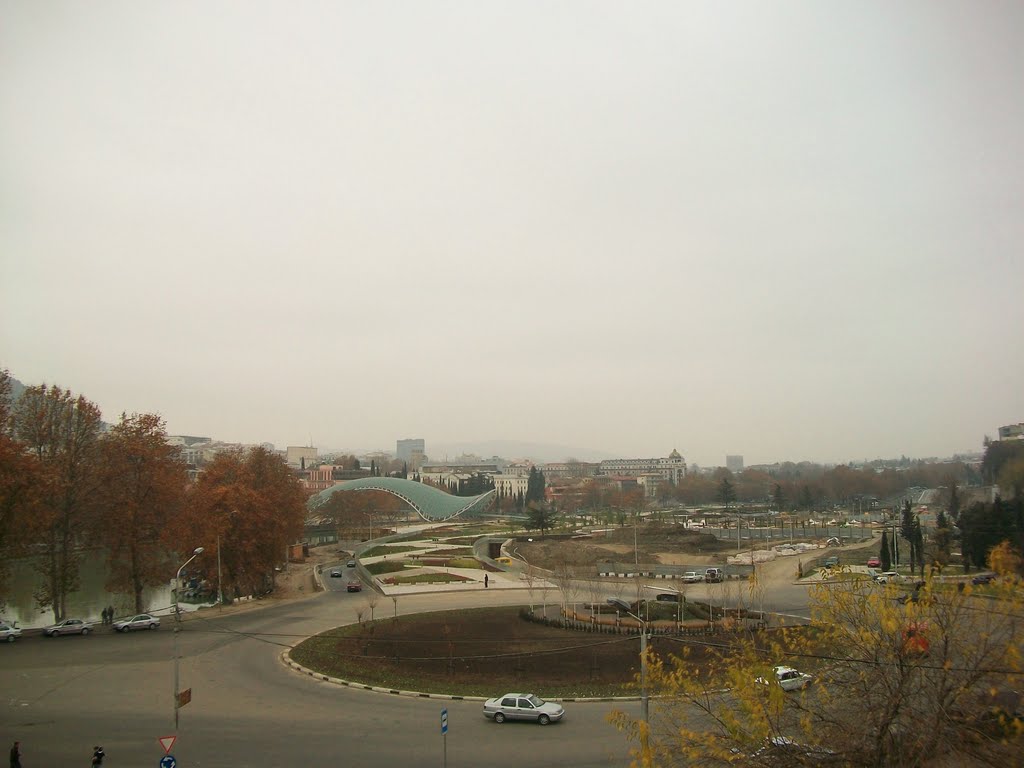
(124, 630)
(10, 638)
(543, 719)
(85, 631)
(153, 626)
(499, 718)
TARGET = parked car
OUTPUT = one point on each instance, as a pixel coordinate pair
(522, 706)
(9, 632)
(68, 627)
(350, 564)
(789, 679)
(713, 575)
(781, 750)
(692, 577)
(355, 586)
(142, 621)
(335, 574)
(832, 541)
(888, 577)
(983, 578)
(874, 562)
(831, 562)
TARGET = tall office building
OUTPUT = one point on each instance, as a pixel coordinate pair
(411, 451)
(734, 464)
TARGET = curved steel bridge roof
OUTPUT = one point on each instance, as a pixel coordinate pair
(430, 503)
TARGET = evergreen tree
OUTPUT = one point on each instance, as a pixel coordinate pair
(541, 517)
(942, 538)
(778, 498)
(907, 523)
(919, 545)
(726, 492)
(806, 498)
(983, 526)
(535, 486)
(954, 501)
(883, 552)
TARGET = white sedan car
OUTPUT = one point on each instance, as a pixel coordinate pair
(9, 632)
(68, 627)
(142, 621)
(522, 706)
(789, 679)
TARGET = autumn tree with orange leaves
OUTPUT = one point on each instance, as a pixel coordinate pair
(21, 479)
(142, 487)
(254, 505)
(62, 432)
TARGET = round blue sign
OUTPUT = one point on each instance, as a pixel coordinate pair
(168, 761)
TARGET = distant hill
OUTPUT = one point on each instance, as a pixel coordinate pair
(513, 449)
(16, 389)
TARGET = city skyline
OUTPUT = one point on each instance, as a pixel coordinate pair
(787, 233)
(540, 452)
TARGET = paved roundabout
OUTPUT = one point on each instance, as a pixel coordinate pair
(62, 696)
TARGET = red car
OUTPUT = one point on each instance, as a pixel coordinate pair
(355, 586)
(874, 562)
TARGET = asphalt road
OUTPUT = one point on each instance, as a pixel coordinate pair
(63, 695)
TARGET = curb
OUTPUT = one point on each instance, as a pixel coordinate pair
(286, 659)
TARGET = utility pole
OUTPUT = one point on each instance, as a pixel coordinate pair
(177, 628)
(220, 589)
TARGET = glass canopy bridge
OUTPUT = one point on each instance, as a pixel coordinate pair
(431, 504)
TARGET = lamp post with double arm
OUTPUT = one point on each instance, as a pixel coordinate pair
(177, 627)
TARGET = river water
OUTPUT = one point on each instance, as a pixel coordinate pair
(87, 603)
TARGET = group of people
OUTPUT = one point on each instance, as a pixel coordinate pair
(97, 753)
(108, 614)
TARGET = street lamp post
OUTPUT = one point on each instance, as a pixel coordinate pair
(624, 606)
(177, 627)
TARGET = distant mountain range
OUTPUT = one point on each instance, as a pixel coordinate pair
(16, 389)
(514, 449)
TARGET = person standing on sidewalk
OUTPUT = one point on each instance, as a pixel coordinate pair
(486, 580)
(16, 755)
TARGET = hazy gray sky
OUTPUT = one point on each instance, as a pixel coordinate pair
(789, 230)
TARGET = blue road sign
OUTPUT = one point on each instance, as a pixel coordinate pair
(444, 721)
(168, 761)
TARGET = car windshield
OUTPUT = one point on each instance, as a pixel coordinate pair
(535, 700)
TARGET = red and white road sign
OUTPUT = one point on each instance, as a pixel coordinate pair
(167, 742)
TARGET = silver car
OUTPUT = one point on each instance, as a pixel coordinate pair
(522, 706)
(9, 632)
(142, 621)
(69, 627)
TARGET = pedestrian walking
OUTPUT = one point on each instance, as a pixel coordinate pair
(97, 755)
(103, 615)
(16, 755)
(110, 614)
(486, 581)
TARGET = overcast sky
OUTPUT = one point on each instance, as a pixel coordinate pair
(788, 230)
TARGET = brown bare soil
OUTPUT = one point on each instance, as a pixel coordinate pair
(655, 544)
(485, 651)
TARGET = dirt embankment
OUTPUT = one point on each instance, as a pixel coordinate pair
(655, 544)
(298, 580)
